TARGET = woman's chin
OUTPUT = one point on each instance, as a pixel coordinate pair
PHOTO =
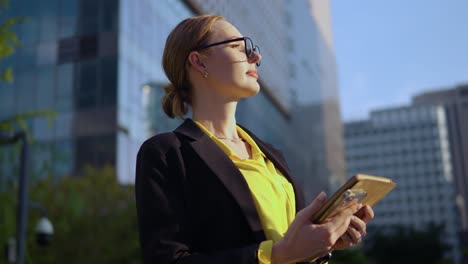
(251, 91)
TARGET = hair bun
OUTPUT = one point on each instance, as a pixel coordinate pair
(169, 88)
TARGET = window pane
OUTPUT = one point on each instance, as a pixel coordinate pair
(30, 28)
(87, 87)
(88, 21)
(109, 16)
(25, 100)
(45, 88)
(64, 91)
(68, 18)
(108, 73)
(48, 20)
(7, 102)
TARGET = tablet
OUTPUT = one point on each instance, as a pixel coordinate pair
(366, 189)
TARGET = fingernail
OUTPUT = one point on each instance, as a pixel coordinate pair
(322, 196)
(359, 206)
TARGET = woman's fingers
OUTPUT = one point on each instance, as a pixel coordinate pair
(359, 225)
(347, 240)
(366, 213)
(340, 222)
(313, 207)
(354, 234)
(350, 210)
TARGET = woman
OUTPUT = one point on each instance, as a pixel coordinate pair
(211, 191)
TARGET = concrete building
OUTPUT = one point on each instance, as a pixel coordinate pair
(455, 102)
(98, 64)
(410, 145)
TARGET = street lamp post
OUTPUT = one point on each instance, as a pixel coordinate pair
(22, 209)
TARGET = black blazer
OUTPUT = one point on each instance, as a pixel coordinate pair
(193, 204)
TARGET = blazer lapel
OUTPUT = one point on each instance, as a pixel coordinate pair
(226, 171)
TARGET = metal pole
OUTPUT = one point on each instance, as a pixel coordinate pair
(22, 210)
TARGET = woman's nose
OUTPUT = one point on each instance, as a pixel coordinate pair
(256, 58)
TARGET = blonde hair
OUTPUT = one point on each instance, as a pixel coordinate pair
(188, 35)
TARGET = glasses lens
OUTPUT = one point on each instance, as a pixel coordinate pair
(249, 47)
(257, 49)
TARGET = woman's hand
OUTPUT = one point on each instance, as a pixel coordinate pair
(305, 239)
(356, 230)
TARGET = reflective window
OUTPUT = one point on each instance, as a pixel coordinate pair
(88, 20)
(108, 83)
(47, 53)
(7, 99)
(26, 91)
(63, 125)
(68, 18)
(95, 151)
(109, 16)
(26, 57)
(43, 129)
(86, 94)
(48, 20)
(30, 28)
(45, 87)
(64, 91)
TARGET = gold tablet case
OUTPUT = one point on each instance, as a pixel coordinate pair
(376, 188)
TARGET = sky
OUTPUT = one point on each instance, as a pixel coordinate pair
(389, 51)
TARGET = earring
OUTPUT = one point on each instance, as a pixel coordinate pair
(205, 75)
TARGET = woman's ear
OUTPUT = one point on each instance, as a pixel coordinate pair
(195, 60)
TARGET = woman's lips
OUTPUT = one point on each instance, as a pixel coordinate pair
(253, 74)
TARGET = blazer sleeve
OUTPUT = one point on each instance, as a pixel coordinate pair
(160, 210)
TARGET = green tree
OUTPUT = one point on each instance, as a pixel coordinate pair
(351, 256)
(8, 41)
(94, 219)
(408, 245)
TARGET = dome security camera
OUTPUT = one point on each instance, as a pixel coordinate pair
(44, 231)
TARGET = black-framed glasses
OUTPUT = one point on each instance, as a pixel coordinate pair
(249, 46)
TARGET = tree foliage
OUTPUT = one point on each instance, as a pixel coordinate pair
(408, 245)
(397, 244)
(94, 219)
(8, 40)
(350, 256)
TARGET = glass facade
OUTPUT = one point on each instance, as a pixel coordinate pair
(455, 102)
(67, 64)
(139, 63)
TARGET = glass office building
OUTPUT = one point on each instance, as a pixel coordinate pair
(411, 146)
(98, 64)
(455, 102)
(67, 62)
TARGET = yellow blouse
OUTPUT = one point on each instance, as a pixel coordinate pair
(272, 193)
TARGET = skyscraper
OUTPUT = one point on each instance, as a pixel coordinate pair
(411, 146)
(455, 102)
